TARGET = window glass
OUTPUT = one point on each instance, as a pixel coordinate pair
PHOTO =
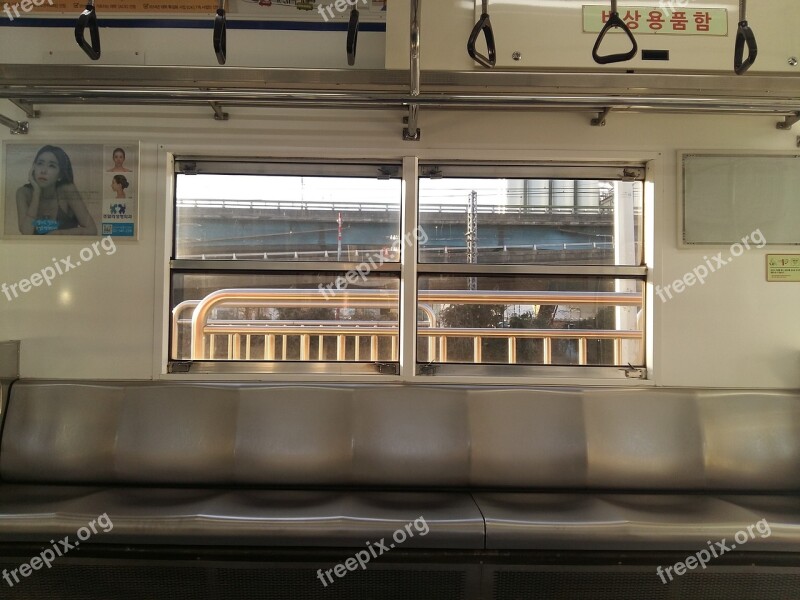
(284, 317)
(531, 221)
(286, 218)
(530, 320)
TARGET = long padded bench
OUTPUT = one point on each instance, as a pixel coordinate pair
(325, 466)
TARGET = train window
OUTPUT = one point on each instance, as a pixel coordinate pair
(225, 211)
(278, 266)
(298, 267)
(530, 266)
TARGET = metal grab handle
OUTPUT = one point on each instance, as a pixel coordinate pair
(744, 36)
(484, 25)
(614, 22)
(221, 34)
(352, 37)
(88, 18)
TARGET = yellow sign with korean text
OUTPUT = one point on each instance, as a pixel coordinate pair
(783, 267)
(660, 20)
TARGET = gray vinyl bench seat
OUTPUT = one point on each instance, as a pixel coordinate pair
(336, 466)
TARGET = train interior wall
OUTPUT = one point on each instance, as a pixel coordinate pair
(107, 319)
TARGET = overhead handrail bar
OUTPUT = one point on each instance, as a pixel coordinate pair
(388, 90)
(484, 25)
(221, 34)
(352, 36)
(88, 18)
(16, 127)
(614, 22)
(744, 37)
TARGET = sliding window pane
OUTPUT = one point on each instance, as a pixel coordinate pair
(531, 221)
(286, 217)
(530, 320)
(302, 317)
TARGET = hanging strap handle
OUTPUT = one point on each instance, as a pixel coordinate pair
(221, 34)
(88, 18)
(614, 22)
(352, 37)
(744, 37)
(484, 25)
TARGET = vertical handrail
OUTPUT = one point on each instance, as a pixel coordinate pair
(88, 19)
(412, 130)
(415, 48)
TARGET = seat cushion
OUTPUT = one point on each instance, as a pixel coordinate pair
(36, 513)
(647, 522)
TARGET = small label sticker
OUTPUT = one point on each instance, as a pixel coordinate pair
(783, 268)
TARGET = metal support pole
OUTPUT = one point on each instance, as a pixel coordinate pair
(16, 127)
(219, 114)
(411, 132)
(789, 122)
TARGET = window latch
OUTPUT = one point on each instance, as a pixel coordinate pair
(189, 168)
(179, 366)
(388, 368)
(629, 175)
(387, 172)
(433, 173)
(428, 369)
(632, 372)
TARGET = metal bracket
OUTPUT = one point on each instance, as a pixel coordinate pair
(788, 122)
(27, 108)
(219, 114)
(407, 135)
(600, 119)
(16, 127)
(632, 372)
(179, 366)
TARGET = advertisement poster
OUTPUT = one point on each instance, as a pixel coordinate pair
(71, 189)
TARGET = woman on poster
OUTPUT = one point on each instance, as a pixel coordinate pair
(118, 156)
(119, 184)
(50, 203)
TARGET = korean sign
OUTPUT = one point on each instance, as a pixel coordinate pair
(655, 20)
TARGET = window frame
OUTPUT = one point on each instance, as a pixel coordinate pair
(624, 171)
(190, 165)
(409, 269)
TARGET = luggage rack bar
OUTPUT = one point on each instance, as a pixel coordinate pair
(777, 95)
